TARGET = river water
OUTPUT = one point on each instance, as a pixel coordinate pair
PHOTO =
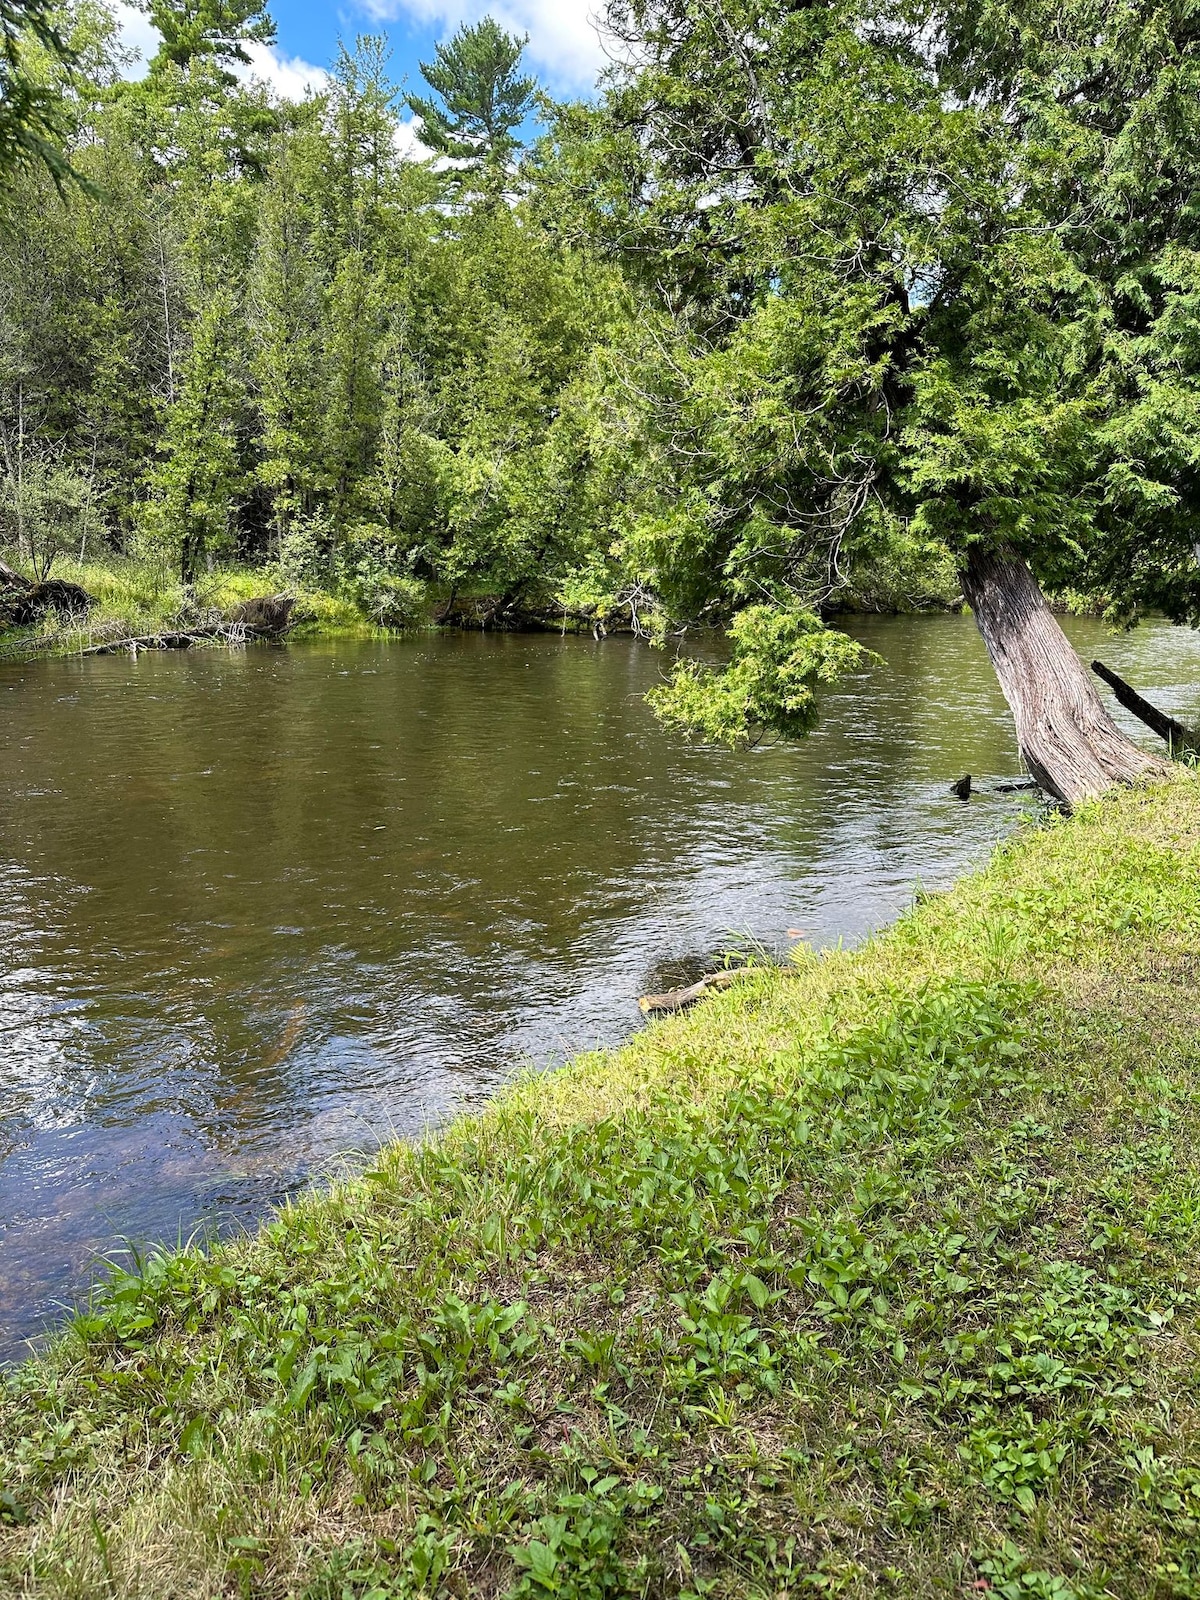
(261, 910)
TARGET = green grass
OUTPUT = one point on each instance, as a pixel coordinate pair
(881, 1277)
(135, 598)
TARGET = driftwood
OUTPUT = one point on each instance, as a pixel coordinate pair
(148, 641)
(498, 613)
(1176, 735)
(680, 999)
(230, 633)
(265, 617)
(626, 614)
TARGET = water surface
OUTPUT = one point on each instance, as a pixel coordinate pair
(260, 910)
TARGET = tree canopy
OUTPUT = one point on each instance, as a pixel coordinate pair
(215, 31)
(33, 123)
(802, 295)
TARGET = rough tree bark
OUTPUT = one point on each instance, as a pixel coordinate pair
(1070, 743)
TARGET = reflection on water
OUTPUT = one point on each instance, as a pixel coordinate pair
(261, 910)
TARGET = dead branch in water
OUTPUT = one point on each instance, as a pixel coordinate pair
(680, 999)
(1176, 735)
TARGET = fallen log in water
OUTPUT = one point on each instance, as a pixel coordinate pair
(266, 617)
(149, 641)
(680, 999)
(1175, 734)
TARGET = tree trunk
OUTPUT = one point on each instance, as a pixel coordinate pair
(13, 580)
(1070, 743)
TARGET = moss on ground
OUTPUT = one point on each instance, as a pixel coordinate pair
(879, 1277)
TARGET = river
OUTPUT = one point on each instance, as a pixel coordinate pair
(262, 909)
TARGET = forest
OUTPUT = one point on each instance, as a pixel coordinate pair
(882, 302)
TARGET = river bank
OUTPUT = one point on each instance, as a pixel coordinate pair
(877, 1276)
(137, 599)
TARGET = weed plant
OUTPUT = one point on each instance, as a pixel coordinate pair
(878, 1277)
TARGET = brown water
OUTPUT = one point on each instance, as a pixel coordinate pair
(262, 910)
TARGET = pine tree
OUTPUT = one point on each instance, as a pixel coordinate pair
(214, 31)
(483, 101)
(33, 120)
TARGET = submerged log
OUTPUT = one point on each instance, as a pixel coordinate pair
(1069, 741)
(230, 633)
(680, 999)
(1177, 736)
(147, 641)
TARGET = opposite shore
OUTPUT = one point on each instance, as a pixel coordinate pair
(136, 599)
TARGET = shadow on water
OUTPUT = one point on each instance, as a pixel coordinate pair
(261, 909)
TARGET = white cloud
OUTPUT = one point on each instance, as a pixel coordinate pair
(138, 38)
(564, 41)
(408, 146)
(289, 76)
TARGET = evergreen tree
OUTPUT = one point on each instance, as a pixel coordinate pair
(33, 119)
(403, 489)
(192, 116)
(287, 299)
(363, 163)
(872, 241)
(201, 477)
(353, 336)
(483, 100)
(208, 32)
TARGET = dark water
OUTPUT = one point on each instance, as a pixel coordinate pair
(262, 910)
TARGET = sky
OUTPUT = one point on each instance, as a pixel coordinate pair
(564, 49)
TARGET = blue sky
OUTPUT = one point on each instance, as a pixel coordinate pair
(564, 49)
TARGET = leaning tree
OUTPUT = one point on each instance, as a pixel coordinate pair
(921, 266)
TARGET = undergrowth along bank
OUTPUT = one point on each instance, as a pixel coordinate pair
(135, 599)
(880, 1277)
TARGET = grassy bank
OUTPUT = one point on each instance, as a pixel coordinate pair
(881, 1277)
(138, 598)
